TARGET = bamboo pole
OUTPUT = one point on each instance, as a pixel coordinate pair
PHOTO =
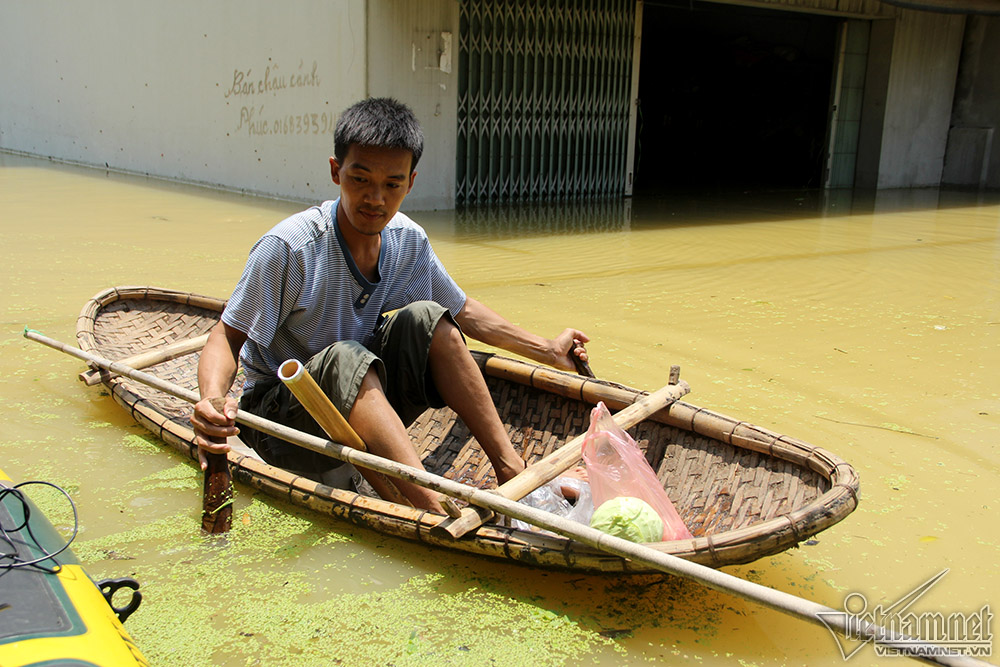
(146, 359)
(321, 408)
(849, 625)
(559, 461)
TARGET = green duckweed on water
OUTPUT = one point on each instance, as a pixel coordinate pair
(415, 624)
(181, 476)
(143, 443)
(238, 597)
(271, 594)
(235, 596)
(288, 587)
(229, 601)
(98, 425)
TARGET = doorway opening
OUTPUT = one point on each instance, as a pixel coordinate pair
(732, 97)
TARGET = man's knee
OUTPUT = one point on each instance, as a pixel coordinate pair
(447, 332)
(420, 314)
(371, 381)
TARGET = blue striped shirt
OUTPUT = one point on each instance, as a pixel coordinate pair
(301, 290)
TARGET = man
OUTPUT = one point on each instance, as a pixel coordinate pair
(319, 285)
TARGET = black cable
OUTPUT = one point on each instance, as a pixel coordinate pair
(10, 561)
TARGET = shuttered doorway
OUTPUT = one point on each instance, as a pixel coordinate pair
(544, 91)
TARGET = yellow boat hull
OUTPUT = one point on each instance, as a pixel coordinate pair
(59, 617)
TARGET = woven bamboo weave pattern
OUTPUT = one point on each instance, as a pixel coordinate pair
(131, 326)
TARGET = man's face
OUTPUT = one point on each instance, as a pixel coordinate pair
(373, 183)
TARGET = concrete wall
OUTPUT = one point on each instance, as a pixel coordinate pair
(237, 94)
(973, 156)
(919, 94)
(241, 95)
(413, 56)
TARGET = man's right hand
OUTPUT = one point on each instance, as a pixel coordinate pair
(212, 426)
(216, 372)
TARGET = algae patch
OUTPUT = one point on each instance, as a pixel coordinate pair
(238, 597)
(180, 476)
(417, 624)
(218, 589)
(143, 443)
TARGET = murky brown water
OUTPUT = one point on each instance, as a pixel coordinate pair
(869, 327)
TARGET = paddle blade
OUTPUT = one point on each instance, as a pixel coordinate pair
(582, 367)
(217, 514)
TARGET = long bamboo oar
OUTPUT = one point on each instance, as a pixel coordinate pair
(849, 625)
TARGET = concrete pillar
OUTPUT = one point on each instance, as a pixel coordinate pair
(918, 100)
(973, 155)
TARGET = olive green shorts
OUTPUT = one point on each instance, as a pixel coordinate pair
(398, 352)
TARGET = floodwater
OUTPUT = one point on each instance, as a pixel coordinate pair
(866, 325)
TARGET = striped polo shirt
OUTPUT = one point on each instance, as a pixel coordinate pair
(301, 290)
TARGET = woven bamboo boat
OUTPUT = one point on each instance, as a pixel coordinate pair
(743, 491)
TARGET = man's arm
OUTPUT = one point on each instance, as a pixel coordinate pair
(480, 322)
(216, 371)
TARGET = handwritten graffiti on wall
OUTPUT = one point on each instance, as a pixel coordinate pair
(256, 123)
(284, 91)
(273, 80)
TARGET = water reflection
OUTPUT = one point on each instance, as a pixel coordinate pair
(693, 207)
(544, 219)
(728, 206)
(914, 199)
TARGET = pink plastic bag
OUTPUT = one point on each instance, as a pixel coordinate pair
(617, 467)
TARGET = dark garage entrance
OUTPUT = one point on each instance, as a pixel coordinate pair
(732, 97)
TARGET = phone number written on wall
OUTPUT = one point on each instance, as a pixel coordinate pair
(256, 123)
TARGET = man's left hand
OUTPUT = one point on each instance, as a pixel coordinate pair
(565, 346)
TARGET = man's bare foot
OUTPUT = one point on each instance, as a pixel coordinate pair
(568, 491)
(579, 473)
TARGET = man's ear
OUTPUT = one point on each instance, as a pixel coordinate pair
(413, 174)
(335, 171)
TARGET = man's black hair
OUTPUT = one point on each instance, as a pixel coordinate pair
(379, 122)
